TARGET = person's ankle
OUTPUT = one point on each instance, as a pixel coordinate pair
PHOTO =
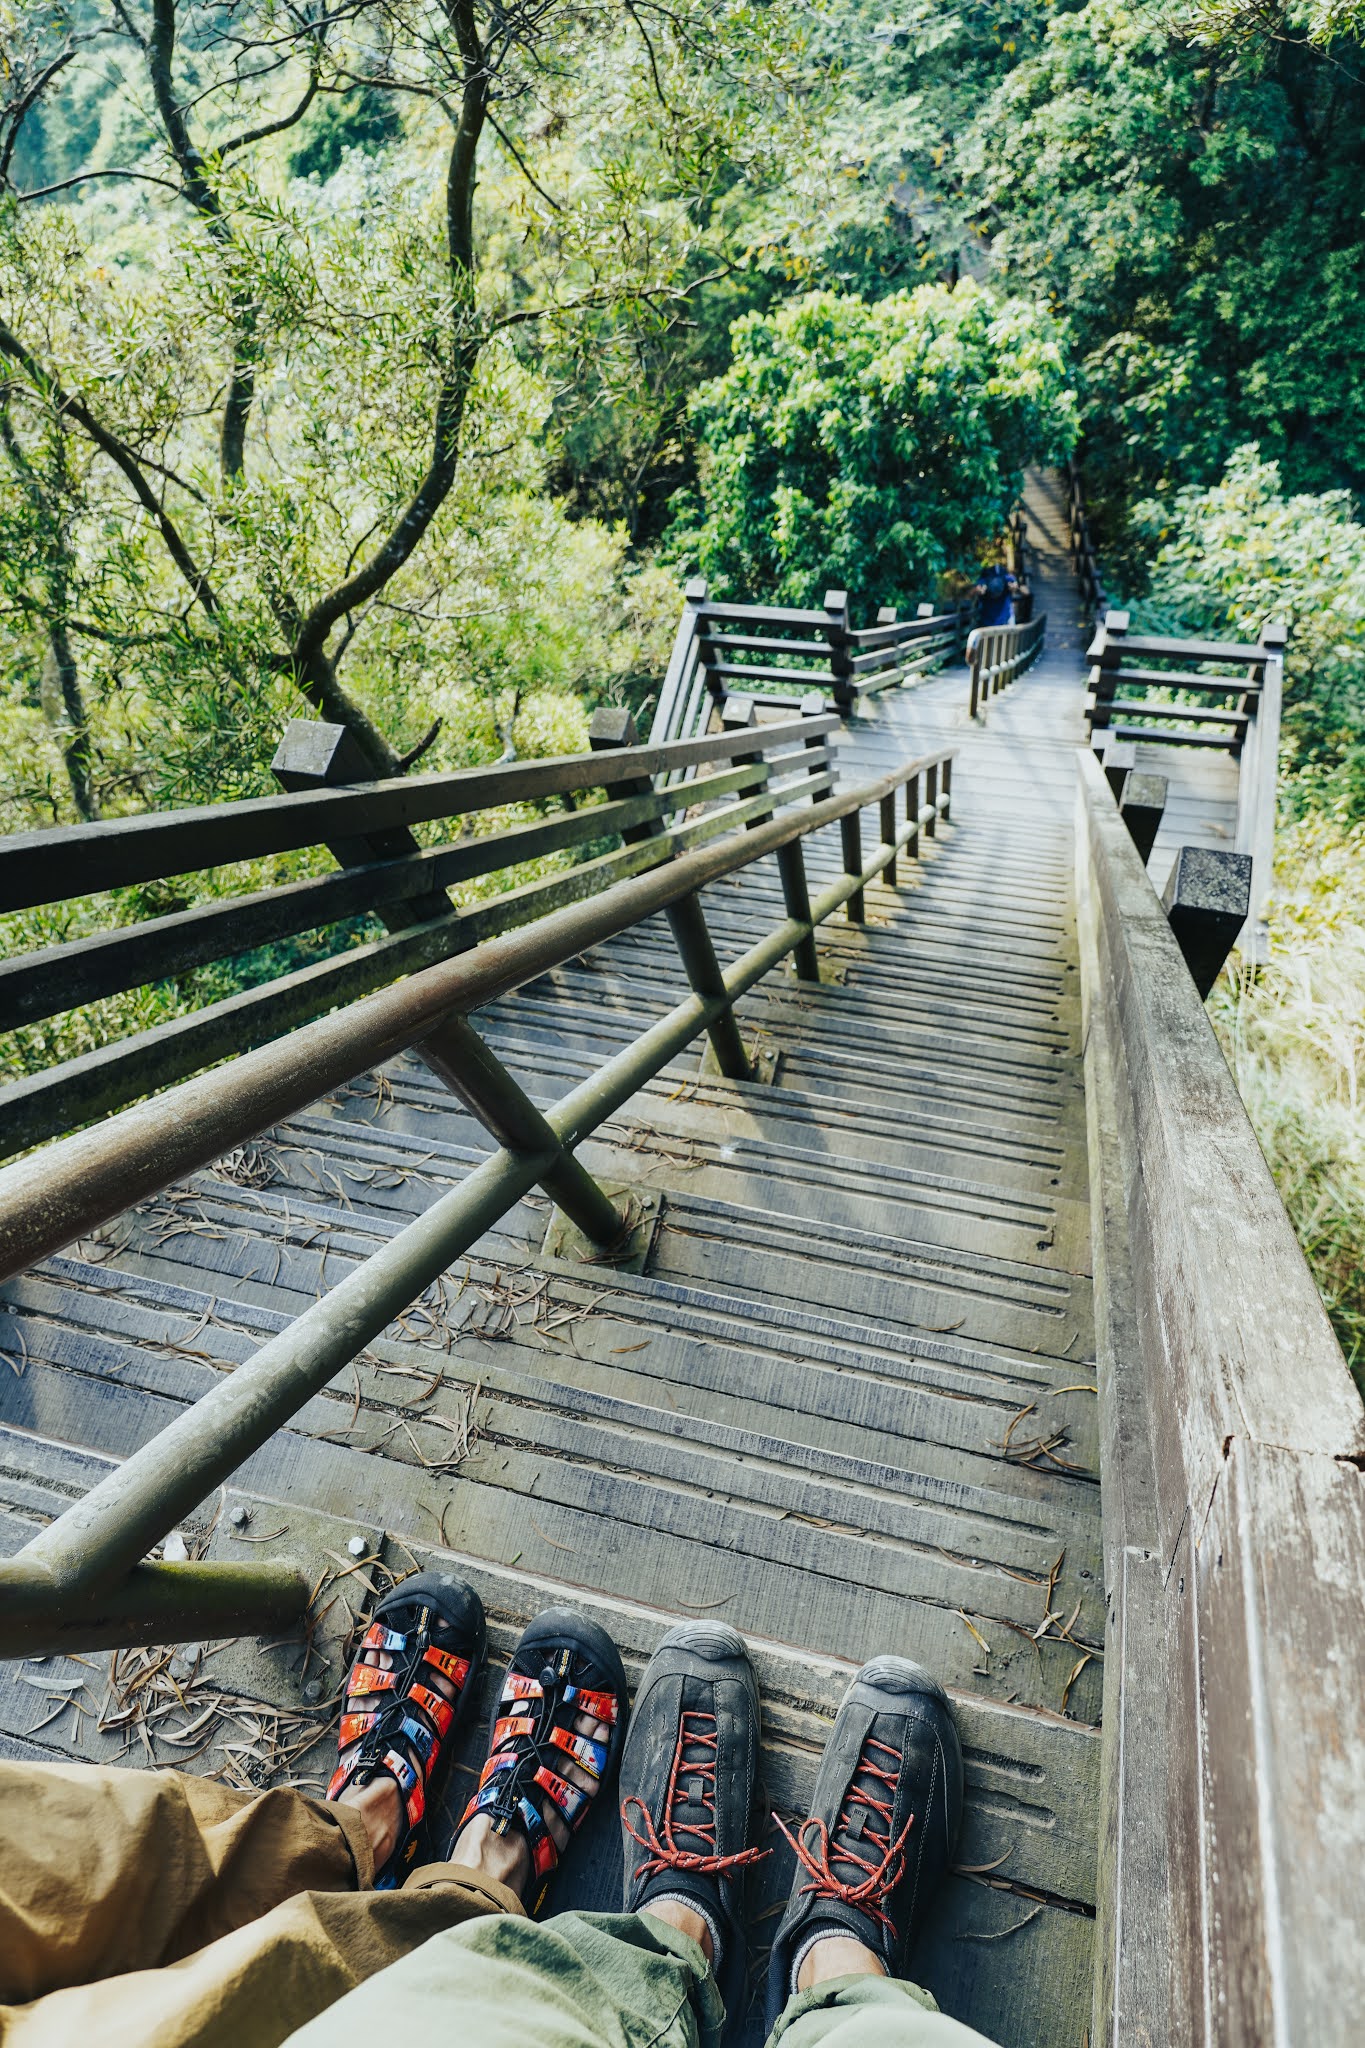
(836, 1955)
(675, 1913)
(380, 1808)
(504, 1858)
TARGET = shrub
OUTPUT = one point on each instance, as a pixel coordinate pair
(871, 446)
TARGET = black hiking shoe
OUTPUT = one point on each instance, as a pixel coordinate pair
(883, 1821)
(687, 1783)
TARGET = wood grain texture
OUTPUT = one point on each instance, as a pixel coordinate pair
(1243, 1583)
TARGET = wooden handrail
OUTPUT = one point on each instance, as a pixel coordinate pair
(1084, 558)
(844, 663)
(790, 765)
(1232, 1448)
(998, 655)
(55, 865)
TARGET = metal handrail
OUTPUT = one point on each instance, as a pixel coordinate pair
(83, 1581)
(998, 655)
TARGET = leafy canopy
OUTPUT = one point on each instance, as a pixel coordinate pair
(872, 446)
(285, 308)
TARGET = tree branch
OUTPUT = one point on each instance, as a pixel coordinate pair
(83, 177)
(203, 197)
(244, 141)
(122, 456)
(19, 113)
(431, 493)
(521, 164)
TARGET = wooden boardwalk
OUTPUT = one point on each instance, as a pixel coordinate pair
(849, 1406)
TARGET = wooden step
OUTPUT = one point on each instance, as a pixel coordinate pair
(1031, 1779)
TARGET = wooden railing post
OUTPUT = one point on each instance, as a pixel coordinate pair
(931, 800)
(974, 646)
(613, 728)
(840, 656)
(888, 828)
(912, 811)
(1207, 900)
(708, 654)
(1105, 654)
(314, 755)
(671, 711)
(791, 866)
(1258, 783)
(1142, 805)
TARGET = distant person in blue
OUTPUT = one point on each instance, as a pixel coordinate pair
(995, 588)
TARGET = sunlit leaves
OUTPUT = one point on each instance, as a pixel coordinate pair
(873, 447)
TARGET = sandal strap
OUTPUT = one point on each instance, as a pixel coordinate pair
(395, 1722)
(528, 1735)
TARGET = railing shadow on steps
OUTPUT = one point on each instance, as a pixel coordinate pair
(734, 664)
(1232, 1461)
(84, 1581)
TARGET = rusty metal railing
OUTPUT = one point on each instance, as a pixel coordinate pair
(85, 1581)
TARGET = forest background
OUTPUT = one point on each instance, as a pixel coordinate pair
(395, 362)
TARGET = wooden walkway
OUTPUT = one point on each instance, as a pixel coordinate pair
(849, 1407)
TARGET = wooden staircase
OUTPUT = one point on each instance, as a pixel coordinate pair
(848, 1406)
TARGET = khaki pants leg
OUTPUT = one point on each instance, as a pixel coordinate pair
(143, 1909)
(605, 1980)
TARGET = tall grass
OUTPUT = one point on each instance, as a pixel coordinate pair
(1294, 1036)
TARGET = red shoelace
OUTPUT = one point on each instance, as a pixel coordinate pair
(819, 1857)
(697, 1731)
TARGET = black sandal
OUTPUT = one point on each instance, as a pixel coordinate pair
(429, 1623)
(563, 1666)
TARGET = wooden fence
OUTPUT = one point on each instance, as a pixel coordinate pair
(737, 665)
(615, 825)
(1202, 694)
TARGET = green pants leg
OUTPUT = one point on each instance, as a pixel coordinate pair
(600, 1980)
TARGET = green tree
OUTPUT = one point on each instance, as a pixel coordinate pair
(287, 400)
(872, 446)
(1193, 211)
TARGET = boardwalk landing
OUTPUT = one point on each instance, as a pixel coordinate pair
(849, 1408)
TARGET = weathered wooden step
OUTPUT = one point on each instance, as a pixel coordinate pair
(680, 1147)
(415, 1104)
